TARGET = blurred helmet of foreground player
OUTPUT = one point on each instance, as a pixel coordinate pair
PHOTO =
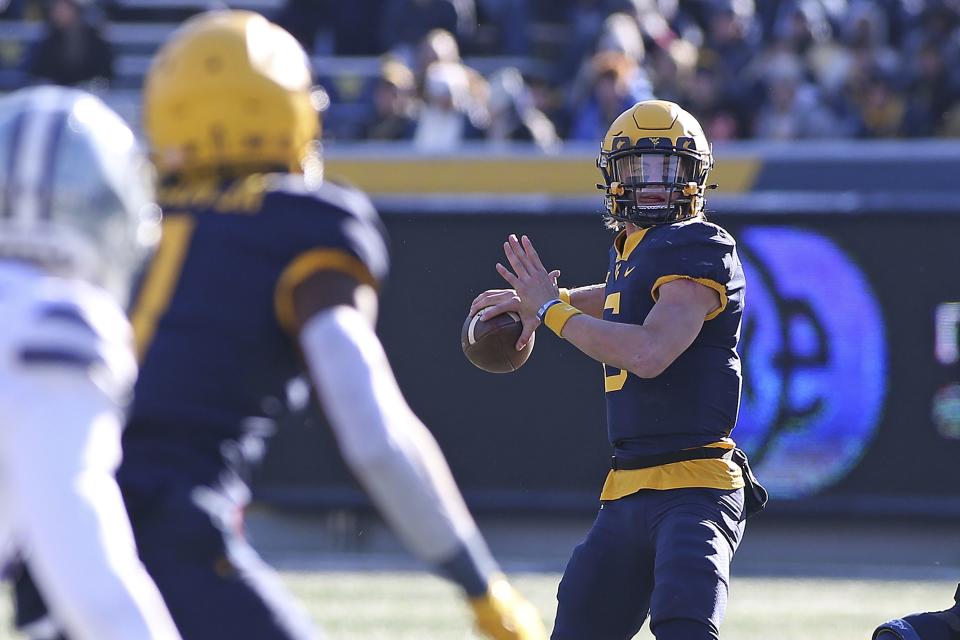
(230, 90)
(75, 189)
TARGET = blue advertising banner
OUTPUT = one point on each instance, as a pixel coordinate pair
(815, 363)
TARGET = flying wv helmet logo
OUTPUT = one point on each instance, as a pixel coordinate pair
(815, 361)
(655, 142)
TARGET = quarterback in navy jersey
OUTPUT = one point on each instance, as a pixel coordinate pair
(665, 324)
(264, 270)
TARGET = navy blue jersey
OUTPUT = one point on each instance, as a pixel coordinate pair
(694, 402)
(214, 316)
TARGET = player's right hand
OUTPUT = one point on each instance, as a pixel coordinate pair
(499, 300)
(503, 614)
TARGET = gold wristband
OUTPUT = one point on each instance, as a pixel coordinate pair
(558, 315)
(564, 295)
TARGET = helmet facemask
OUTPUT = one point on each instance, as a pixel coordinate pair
(650, 186)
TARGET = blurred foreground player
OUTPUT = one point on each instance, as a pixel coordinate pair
(933, 625)
(665, 323)
(75, 199)
(263, 266)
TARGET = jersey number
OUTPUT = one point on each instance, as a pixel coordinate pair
(161, 279)
(613, 382)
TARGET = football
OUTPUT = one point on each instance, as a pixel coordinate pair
(491, 343)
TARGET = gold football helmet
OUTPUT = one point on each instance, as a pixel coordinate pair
(654, 161)
(230, 91)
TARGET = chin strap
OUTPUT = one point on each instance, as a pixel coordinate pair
(620, 199)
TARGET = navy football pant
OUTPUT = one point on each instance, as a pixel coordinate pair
(665, 554)
(215, 585)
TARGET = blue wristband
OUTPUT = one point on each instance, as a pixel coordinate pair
(546, 307)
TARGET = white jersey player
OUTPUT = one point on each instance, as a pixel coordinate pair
(75, 219)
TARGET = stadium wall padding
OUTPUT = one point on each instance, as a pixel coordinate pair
(741, 167)
(851, 398)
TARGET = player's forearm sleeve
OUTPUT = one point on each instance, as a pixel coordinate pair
(392, 453)
(59, 458)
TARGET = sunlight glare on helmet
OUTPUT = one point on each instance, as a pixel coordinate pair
(89, 114)
(277, 55)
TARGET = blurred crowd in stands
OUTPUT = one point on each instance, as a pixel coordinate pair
(442, 72)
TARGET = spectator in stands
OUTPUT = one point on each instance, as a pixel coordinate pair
(14, 48)
(304, 19)
(800, 25)
(865, 25)
(930, 92)
(881, 108)
(938, 21)
(512, 20)
(869, 63)
(704, 98)
(865, 34)
(440, 46)
(731, 46)
(550, 99)
(513, 117)
(672, 68)
(406, 22)
(445, 119)
(733, 36)
(654, 19)
(394, 103)
(793, 108)
(322, 26)
(20, 9)
(584, 19)
(620, 34)
(610, 95)
(72, 51)
(951, 123)
(712, 55)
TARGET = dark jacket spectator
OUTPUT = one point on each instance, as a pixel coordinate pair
(394, 104)
(344, 33)
(930, 92)
(406, 22)
(20, 10)
(72, 51)
(610, 95)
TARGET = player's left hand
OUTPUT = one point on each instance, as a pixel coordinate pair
(503, 614)
(532, 282)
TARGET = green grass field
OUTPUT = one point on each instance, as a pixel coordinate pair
(417, 606)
